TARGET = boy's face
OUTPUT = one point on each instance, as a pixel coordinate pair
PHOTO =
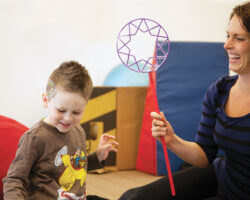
(65, 110)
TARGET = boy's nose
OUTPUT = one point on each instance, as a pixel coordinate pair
(67, 117)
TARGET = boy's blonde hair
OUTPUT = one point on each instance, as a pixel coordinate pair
(71, 77)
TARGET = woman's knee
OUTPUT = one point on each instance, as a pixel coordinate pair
(132, 194)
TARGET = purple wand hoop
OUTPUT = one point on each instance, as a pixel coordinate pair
(156, 33)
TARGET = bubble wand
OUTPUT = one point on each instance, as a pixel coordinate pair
(124, 38)
(152, 76)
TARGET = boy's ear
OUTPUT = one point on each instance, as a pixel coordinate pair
(45, 100)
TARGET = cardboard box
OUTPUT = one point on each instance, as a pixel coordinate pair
(117, 111)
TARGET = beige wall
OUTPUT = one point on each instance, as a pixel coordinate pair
(37, 35)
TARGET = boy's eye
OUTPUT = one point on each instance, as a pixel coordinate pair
(61, 111)
(76, 113)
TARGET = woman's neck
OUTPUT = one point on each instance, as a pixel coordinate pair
(242, 85)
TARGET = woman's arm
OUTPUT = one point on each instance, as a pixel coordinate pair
(190, 152)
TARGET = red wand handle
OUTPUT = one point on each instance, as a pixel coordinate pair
(152, 78)
(170, 177)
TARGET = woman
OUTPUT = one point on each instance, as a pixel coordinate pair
(225, 124)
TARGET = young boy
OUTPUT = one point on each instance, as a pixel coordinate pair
(51, 161)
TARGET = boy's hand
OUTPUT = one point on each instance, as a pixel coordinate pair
(106, 144)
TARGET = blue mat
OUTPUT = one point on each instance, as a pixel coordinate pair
(181, 84)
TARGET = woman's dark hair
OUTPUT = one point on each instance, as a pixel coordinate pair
(243, 12)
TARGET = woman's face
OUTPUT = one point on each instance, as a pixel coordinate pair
(237, 46)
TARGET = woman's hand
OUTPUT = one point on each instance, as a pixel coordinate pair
(161, 127)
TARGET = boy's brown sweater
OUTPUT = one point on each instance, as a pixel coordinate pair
(50, 165)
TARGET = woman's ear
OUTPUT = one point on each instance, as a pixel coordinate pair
(45, 100)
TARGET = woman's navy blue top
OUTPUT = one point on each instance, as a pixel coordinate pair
(232, 135)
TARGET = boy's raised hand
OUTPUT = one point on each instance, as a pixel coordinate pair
(106, 144)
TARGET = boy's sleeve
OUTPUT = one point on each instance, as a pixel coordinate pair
(93, 162)
(17, 180)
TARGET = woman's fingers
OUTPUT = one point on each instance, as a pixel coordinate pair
(158, 134)
(159, 119)
(158, 129)
(156, 122)
(155, 115)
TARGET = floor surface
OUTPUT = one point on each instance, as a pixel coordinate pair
(112, 185)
